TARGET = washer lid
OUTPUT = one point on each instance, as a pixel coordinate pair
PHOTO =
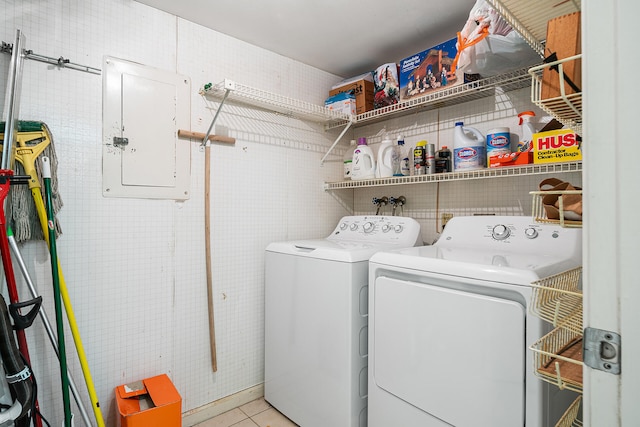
(334, 250)
(489, 265)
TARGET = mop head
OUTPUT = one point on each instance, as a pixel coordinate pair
(23, 215)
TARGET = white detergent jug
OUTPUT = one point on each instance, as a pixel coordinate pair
(363, 165)
(469, 148)
(384, 167)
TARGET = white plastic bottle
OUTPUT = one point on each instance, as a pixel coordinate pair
(469, 148)
(407, 161)
(398, 157)
(384, 166)
(528, 129)
(363, 165)
(348, 159)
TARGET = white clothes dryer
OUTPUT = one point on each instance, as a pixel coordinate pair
(316, 302)
(449, 328)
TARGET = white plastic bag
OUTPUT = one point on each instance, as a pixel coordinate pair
(487, 45)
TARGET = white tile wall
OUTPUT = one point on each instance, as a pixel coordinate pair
(135, 268)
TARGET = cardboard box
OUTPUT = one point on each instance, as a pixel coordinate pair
(362, 90)
(513, 159)
(386, 85)
(556, 146)
(428, 71)
(150, 402)
(343, 102)
(563, 39)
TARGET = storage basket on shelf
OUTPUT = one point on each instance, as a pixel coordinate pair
(558, 299)
(570, 417)
(552, 91)
(557, 202)
(558, 359)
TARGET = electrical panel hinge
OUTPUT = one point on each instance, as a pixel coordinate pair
(602, 350)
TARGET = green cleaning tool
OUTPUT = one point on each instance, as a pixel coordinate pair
(46, 174)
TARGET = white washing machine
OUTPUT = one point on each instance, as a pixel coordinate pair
(449, 328)
(316, 302)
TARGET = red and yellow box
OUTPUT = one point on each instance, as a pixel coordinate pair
(556, 146)
(150, 402)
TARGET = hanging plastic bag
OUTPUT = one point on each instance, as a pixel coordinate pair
(488, 45)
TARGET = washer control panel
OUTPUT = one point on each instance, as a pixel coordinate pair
(509, 231)
(378, 228)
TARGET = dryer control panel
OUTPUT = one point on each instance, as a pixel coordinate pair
(378, 228)
(513, 233)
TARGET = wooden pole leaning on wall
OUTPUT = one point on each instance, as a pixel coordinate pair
(207, 227)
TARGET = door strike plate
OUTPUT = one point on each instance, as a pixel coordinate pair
(602, 350)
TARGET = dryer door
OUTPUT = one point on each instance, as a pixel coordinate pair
(456, 355)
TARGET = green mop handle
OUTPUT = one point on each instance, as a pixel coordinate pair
(46, 175)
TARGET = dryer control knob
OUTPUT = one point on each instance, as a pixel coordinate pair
(368, 227)
(500, 232)
(398, 228)
(354, 227)
(531, 233)
(343, 226)
(386, 228)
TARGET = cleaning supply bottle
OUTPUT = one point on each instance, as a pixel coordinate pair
(407, 161)
(498, 143)
(420, 158)
(469, 148)
(398, 157)
(528, 129)
(348, 159)
(363, 165)
(384, 167)
(443, 160)
(405, 165)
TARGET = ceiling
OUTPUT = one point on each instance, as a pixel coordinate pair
(342, 37)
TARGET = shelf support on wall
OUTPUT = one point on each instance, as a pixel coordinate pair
(228, 87)
(346, 128)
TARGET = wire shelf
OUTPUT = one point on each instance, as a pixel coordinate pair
(290, 107)
(570, 417)
(558, 359)
(530, 18)
(565, 218)
(567, 107)
(446, 97)
(507, 171)
(558, 300)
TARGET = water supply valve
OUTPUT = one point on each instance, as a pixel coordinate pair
(379, 202)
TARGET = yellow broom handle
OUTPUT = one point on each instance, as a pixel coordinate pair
(42, 215)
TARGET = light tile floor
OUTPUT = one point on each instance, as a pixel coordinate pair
(257, 413)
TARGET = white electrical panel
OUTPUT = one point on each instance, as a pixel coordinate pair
(143, 108)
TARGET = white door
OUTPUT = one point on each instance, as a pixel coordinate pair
(612, 202)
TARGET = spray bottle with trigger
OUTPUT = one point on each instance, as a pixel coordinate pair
(527, 131)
